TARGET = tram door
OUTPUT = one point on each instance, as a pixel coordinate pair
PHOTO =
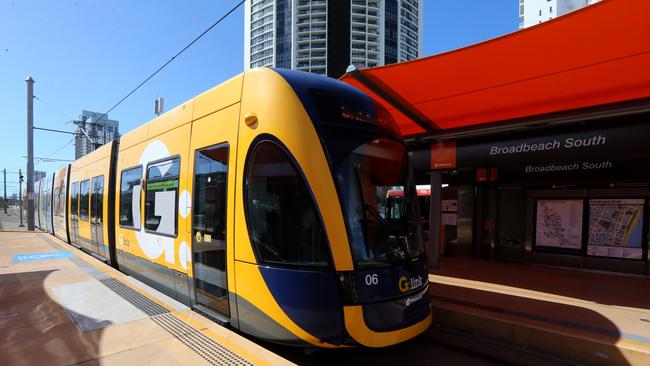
(97, 215)
(74, 212)
(209, 228)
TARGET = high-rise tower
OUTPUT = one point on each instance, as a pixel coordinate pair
(533, 12)
(326, 36)
(93, 130)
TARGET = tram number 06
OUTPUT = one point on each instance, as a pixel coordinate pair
(372, 279)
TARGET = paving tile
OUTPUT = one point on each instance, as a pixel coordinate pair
(126, 336)
(91, 305)
(165, 352)
(48, 343)
(37, 298)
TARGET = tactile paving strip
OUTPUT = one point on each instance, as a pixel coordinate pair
(204, 346)
(50, 242)
(135, 298)
(87, 267)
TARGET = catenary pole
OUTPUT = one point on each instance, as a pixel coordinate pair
(434, 219)
(20, 195)
(4, 172)
(30, 153)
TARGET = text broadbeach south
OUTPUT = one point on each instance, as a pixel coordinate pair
(568, 143)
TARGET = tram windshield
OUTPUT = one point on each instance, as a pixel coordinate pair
(367, 162)
(367, 159)
(365, 173)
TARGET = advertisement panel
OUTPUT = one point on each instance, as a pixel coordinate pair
(616, 228)
(559, 224)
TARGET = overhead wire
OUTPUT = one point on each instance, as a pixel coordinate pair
(232, 10)
(53, 108)
(56, 151)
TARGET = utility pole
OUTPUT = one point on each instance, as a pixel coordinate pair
(4, 172)
(30, 153)
(20, 195)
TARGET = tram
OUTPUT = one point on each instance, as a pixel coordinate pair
(258, 203)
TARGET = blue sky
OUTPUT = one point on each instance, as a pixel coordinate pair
(87, 54)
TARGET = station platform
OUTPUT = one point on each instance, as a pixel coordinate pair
(577, 316)
(60, 306)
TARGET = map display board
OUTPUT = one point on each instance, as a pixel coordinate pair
(616, 228)
(559, 224)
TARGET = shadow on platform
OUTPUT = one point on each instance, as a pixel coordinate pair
(594, 318)
(602, 288)
(35, 330)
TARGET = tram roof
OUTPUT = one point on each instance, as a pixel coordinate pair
(598, 55)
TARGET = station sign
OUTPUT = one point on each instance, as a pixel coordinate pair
(615, 152)
(443, 155)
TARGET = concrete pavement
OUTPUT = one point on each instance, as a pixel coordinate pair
(11, 220)
(59, 306)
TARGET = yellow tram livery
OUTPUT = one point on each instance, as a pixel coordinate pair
(261, 204)
(89, 203)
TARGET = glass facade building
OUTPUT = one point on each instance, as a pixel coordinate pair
(325, 36)
(94, 129)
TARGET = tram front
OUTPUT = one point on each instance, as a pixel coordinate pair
(385, 297)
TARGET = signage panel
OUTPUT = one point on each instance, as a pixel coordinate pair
(449, 219)
(616, 228)
(449, 205)
(443, 155)
(559, 224)
(616, 152)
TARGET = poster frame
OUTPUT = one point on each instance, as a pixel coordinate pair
(645, 226)
(556, 250)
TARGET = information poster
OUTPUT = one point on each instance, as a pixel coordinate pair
(449, 205)
(449, 219)
(616, 228)
(559, 224)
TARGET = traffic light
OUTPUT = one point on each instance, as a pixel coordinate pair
(20, 177)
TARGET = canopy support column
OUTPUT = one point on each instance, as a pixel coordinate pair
(434, 220)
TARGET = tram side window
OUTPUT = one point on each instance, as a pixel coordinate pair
(84, 194)
(210, 194)
(97, 199)
(161, 197)
(131, 183)
(56, 201)
(74, 200)
(282, 218)
(59, 210)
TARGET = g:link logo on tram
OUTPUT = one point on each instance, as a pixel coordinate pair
(405, 284)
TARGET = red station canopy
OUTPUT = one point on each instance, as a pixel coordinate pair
(594, 56)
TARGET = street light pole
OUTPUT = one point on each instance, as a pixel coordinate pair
(30, 153)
